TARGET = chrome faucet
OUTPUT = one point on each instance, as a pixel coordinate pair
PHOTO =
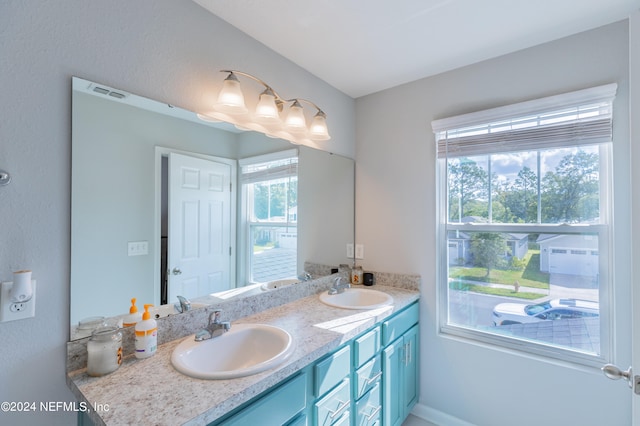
(214, 329)
(339, 286)
(305, 276)
(182, 305)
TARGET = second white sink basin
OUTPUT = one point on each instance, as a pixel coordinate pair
(271, 285)
(357, 298)
(244, 350)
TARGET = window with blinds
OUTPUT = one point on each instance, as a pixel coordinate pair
(524, 193)
(270, 215)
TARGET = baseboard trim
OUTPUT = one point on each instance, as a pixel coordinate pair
(437, 417)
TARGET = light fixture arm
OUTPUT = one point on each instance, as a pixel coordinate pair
(320, 111)
(267, 87)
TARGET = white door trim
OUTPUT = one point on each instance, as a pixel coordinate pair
(164, 152)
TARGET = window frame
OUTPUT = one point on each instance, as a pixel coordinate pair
(604, 230)
(246, 244)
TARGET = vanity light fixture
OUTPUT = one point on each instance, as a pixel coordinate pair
(266, 117)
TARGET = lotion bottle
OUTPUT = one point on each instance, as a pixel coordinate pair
(133, 317)
(146, 335)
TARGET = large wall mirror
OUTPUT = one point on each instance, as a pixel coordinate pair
(135, 234)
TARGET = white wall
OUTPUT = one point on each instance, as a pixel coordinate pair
(161, 49)
(396, 222)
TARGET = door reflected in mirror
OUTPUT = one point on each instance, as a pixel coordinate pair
(140, 228)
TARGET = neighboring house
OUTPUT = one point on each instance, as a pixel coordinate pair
(459, 248)
(460, 245)
(569, 254)
(518, 245)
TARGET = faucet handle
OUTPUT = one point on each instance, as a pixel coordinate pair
(214, 317)
(182, 305)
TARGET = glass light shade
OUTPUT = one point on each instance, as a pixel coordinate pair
(318, 130)
(231, 99)
(295, 122)
(267, 110)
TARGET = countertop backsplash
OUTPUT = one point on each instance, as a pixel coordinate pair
(178, 326)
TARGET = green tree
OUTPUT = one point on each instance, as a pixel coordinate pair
(488, 249)
(521, 196)
(261, 201)
(570, 193)
(274, 198)
(467, 185)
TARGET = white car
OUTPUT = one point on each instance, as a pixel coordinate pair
(554, 309)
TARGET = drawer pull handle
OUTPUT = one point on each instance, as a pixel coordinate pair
(373, 379)
(373, 413)
(406, 353)
(341, 406)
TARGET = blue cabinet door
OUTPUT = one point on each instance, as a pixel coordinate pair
(400, 377)
(392, 379)
(410, 376)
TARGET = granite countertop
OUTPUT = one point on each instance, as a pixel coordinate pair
(151, 391)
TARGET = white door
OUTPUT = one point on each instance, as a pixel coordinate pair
(634, 107)
(199, 259)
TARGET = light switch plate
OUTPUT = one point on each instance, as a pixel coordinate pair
(11, 311)
(359, 251)
(137, 248)
(349, 251)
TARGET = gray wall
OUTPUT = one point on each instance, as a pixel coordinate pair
(395, 181)
(161, 49)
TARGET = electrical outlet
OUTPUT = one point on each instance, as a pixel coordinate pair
(17, 307)
(359, 251)
(349, 251)
(11, 311)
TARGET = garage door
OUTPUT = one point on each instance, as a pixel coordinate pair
(573, 261)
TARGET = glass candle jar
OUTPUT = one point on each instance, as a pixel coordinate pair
(356, 275)
(104, 351)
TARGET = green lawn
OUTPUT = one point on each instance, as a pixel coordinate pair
(457, 285)
(529, 277)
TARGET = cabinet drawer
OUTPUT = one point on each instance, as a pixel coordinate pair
(275, 408)
(366, 346)
(334, 405)
(396, 326)
(329, 372)
(369, 408)
(367, 376)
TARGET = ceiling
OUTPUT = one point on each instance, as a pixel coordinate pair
(364, 46)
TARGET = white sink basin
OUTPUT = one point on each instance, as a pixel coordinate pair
(244, 350)
(357, 298)
(279, 283)
(166, 310)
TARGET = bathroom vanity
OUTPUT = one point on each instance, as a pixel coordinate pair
(347, 367)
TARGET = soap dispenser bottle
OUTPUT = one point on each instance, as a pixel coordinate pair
(146, 335)
(133, 317)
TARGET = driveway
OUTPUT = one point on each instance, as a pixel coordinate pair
(573, 287)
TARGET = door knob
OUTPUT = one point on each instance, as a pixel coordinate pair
(614, 373)
(176, 271)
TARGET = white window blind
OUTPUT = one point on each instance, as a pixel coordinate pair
(272, 166)
(576, 118)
